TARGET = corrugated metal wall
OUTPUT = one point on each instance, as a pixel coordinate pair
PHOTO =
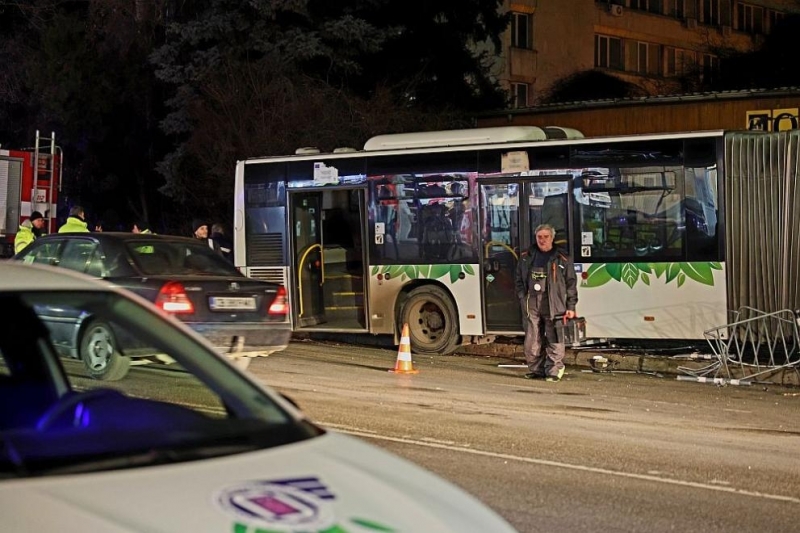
(762, 213)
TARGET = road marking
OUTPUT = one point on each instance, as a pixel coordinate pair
(644, 477)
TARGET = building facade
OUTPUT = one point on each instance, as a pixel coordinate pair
(654, 44)
(764, 110)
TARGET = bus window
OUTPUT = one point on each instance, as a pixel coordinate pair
(426, 218)
(702, 240)
(632, 213)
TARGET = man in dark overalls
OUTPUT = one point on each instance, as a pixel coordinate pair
(547, 287)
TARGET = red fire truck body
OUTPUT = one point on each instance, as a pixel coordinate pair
(29, 181)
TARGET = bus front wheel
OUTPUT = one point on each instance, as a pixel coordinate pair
(432, 321)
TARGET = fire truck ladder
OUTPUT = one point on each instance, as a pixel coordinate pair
(45, 170)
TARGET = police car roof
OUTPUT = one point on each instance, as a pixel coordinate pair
(16, 276)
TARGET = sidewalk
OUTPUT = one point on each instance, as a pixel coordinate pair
(684, 366)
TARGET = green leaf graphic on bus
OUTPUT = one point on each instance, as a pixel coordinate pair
(630, 273)
(700, 272)
(596, 275)
(454, 272)
(614, 270)
(673, 269)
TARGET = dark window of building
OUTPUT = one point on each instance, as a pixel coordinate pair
(749, 18)
(519, 95)
(775, 18)
(710, 66)
(521, 30)
(676, 8)
(711, 10)
(653, 6)
(608, 52)
(648, 58)
(679, 62)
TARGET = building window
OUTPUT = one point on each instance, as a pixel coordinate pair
(648, 58)
(775, 18)
(749, 18)
(608, 52)
(676, 8)
(521, 30)
(653, 6)
(710, 66)
(519, 95)
(679, 62)
(712, 14)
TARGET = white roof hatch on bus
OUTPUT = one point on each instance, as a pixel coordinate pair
(502, 134)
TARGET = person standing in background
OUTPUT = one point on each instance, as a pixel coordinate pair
(76, 222)
(200, 232)
(221, 243)
(547, 287)
(141, 226)
(29, 231)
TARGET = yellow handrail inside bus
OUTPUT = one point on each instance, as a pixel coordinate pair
(300, 273)
(498, 243)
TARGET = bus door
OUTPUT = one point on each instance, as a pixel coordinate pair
(328, 259)
(510, 212)
(307, 265)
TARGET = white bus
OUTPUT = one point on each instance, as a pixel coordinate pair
(668, 232)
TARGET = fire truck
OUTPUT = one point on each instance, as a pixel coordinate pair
(30, 179)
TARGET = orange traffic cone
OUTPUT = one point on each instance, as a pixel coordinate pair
(404, 365)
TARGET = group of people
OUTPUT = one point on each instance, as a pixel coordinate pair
(33, 227)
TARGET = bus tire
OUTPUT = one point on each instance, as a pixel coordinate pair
(99, 353)
(432, 321)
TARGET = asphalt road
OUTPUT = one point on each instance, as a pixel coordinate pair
(595, 452)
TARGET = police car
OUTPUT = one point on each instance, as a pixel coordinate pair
(195, 445)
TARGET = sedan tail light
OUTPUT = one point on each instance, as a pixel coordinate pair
(172, 298)
(280, 305)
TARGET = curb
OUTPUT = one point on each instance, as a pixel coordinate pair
(618, 361)
(682, 367)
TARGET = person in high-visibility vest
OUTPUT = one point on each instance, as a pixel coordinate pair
(29, 231)
(141, 227)
(76, 222)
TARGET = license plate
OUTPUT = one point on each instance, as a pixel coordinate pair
(228, 303)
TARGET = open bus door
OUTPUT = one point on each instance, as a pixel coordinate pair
(308, 264)
(328, 259)
(511, 209)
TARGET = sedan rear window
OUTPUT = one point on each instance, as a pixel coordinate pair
(169, 258)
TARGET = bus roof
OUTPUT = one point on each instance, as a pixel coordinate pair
(439, 145)
(502, 134)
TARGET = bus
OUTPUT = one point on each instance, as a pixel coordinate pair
(669, 233)
(30, 180)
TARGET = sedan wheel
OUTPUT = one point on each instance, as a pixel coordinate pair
(99, 353)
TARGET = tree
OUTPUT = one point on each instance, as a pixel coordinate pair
(84, 74)
(160, 95)
(774, 64)
(263, 78)
(590, 85)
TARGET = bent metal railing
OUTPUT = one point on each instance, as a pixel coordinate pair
(754, 345)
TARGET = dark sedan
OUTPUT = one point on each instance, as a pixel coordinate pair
(181, 276)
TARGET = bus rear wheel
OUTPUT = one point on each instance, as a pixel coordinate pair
(432, 321)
